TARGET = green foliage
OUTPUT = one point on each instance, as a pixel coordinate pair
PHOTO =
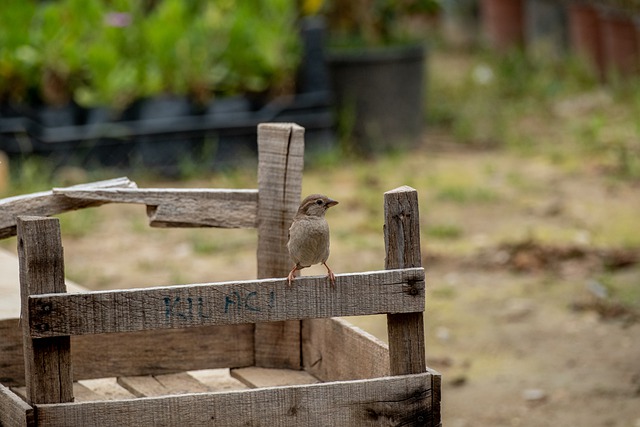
(110, 52)
(444, 231)
(379, 22)
(17, 57)
(466, 194)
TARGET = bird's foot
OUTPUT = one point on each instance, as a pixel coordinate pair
(331, 277)
(291, 276)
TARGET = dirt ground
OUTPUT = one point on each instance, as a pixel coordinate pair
(532, 271)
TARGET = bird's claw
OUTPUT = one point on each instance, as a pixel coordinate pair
(331, 277)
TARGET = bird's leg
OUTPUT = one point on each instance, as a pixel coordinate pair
(330, 275)
(291, 275)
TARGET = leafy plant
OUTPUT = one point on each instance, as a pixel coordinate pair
(377, 22)
(111, 52)
(59, 33)
(17, 57)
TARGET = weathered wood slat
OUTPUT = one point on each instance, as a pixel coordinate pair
(162, 385)
(81, 393)
(402, 244)
(181, 383)
(173, 207)
(47, 203)
(401, 400)
(254, 377)
(280, 164)
(108, 389)
(14, 412)
(218, 379)
(47, 361)
(137, 353)
(335, 350)
(267, 300)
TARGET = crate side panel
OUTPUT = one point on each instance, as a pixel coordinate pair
(14, 412)
(402, 400)
(333, 350)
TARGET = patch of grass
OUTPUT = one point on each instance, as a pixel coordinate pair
(79, 223)
(30, 175)
(463, 194)
(444, 292)
(221, 241)
(444, 231)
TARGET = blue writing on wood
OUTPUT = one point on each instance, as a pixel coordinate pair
(249, 301)
(183, 308)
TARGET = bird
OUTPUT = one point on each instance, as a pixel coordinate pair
(309, 235)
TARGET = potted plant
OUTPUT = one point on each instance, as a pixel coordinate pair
(620, 37)
(59, 32)
(376, 62)
(503, 23)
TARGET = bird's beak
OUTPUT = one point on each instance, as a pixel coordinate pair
(331, 202)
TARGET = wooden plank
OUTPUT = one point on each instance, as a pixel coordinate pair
(81, 393)
(171, 207)
(107, 389)
(254, 377)
(335, 350)
(142, 386)
(137, 353)
(436, 397)
(217, 379)
(47, 203)
(266, 300)
(11, 353)
(48, 371)
(162, 385)
(402, 244)
(280, 165)
(401, 400)
(14, 412)
(181, 383)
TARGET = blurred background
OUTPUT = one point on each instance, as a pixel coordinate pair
(518, 122)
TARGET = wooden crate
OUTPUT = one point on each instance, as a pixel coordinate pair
(303, 366)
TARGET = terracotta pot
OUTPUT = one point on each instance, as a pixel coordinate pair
(503, 23)
(584, 34)
(621, 51)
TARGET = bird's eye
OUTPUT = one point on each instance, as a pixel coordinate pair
(319, 202)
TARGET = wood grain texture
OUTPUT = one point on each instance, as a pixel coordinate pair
(47, 203)
(11, 353)
(137, 353)
(107, 389)
(81, 393)
(48, 371)
(280, 165)
(402, 244)
(14, 412)
(335, 350)
(266, 300)
(218, 379)
(255, 377)
(401, 400)
(172, 207)
(162, 385)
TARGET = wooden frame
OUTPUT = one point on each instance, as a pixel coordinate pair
(262, 323)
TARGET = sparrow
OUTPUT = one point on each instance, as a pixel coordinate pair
(309, 235)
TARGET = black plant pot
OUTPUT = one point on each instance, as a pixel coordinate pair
(546, 26)
(380, 95)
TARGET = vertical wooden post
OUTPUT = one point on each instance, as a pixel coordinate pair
(48, 374)
(402, 245)
(280, 164)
